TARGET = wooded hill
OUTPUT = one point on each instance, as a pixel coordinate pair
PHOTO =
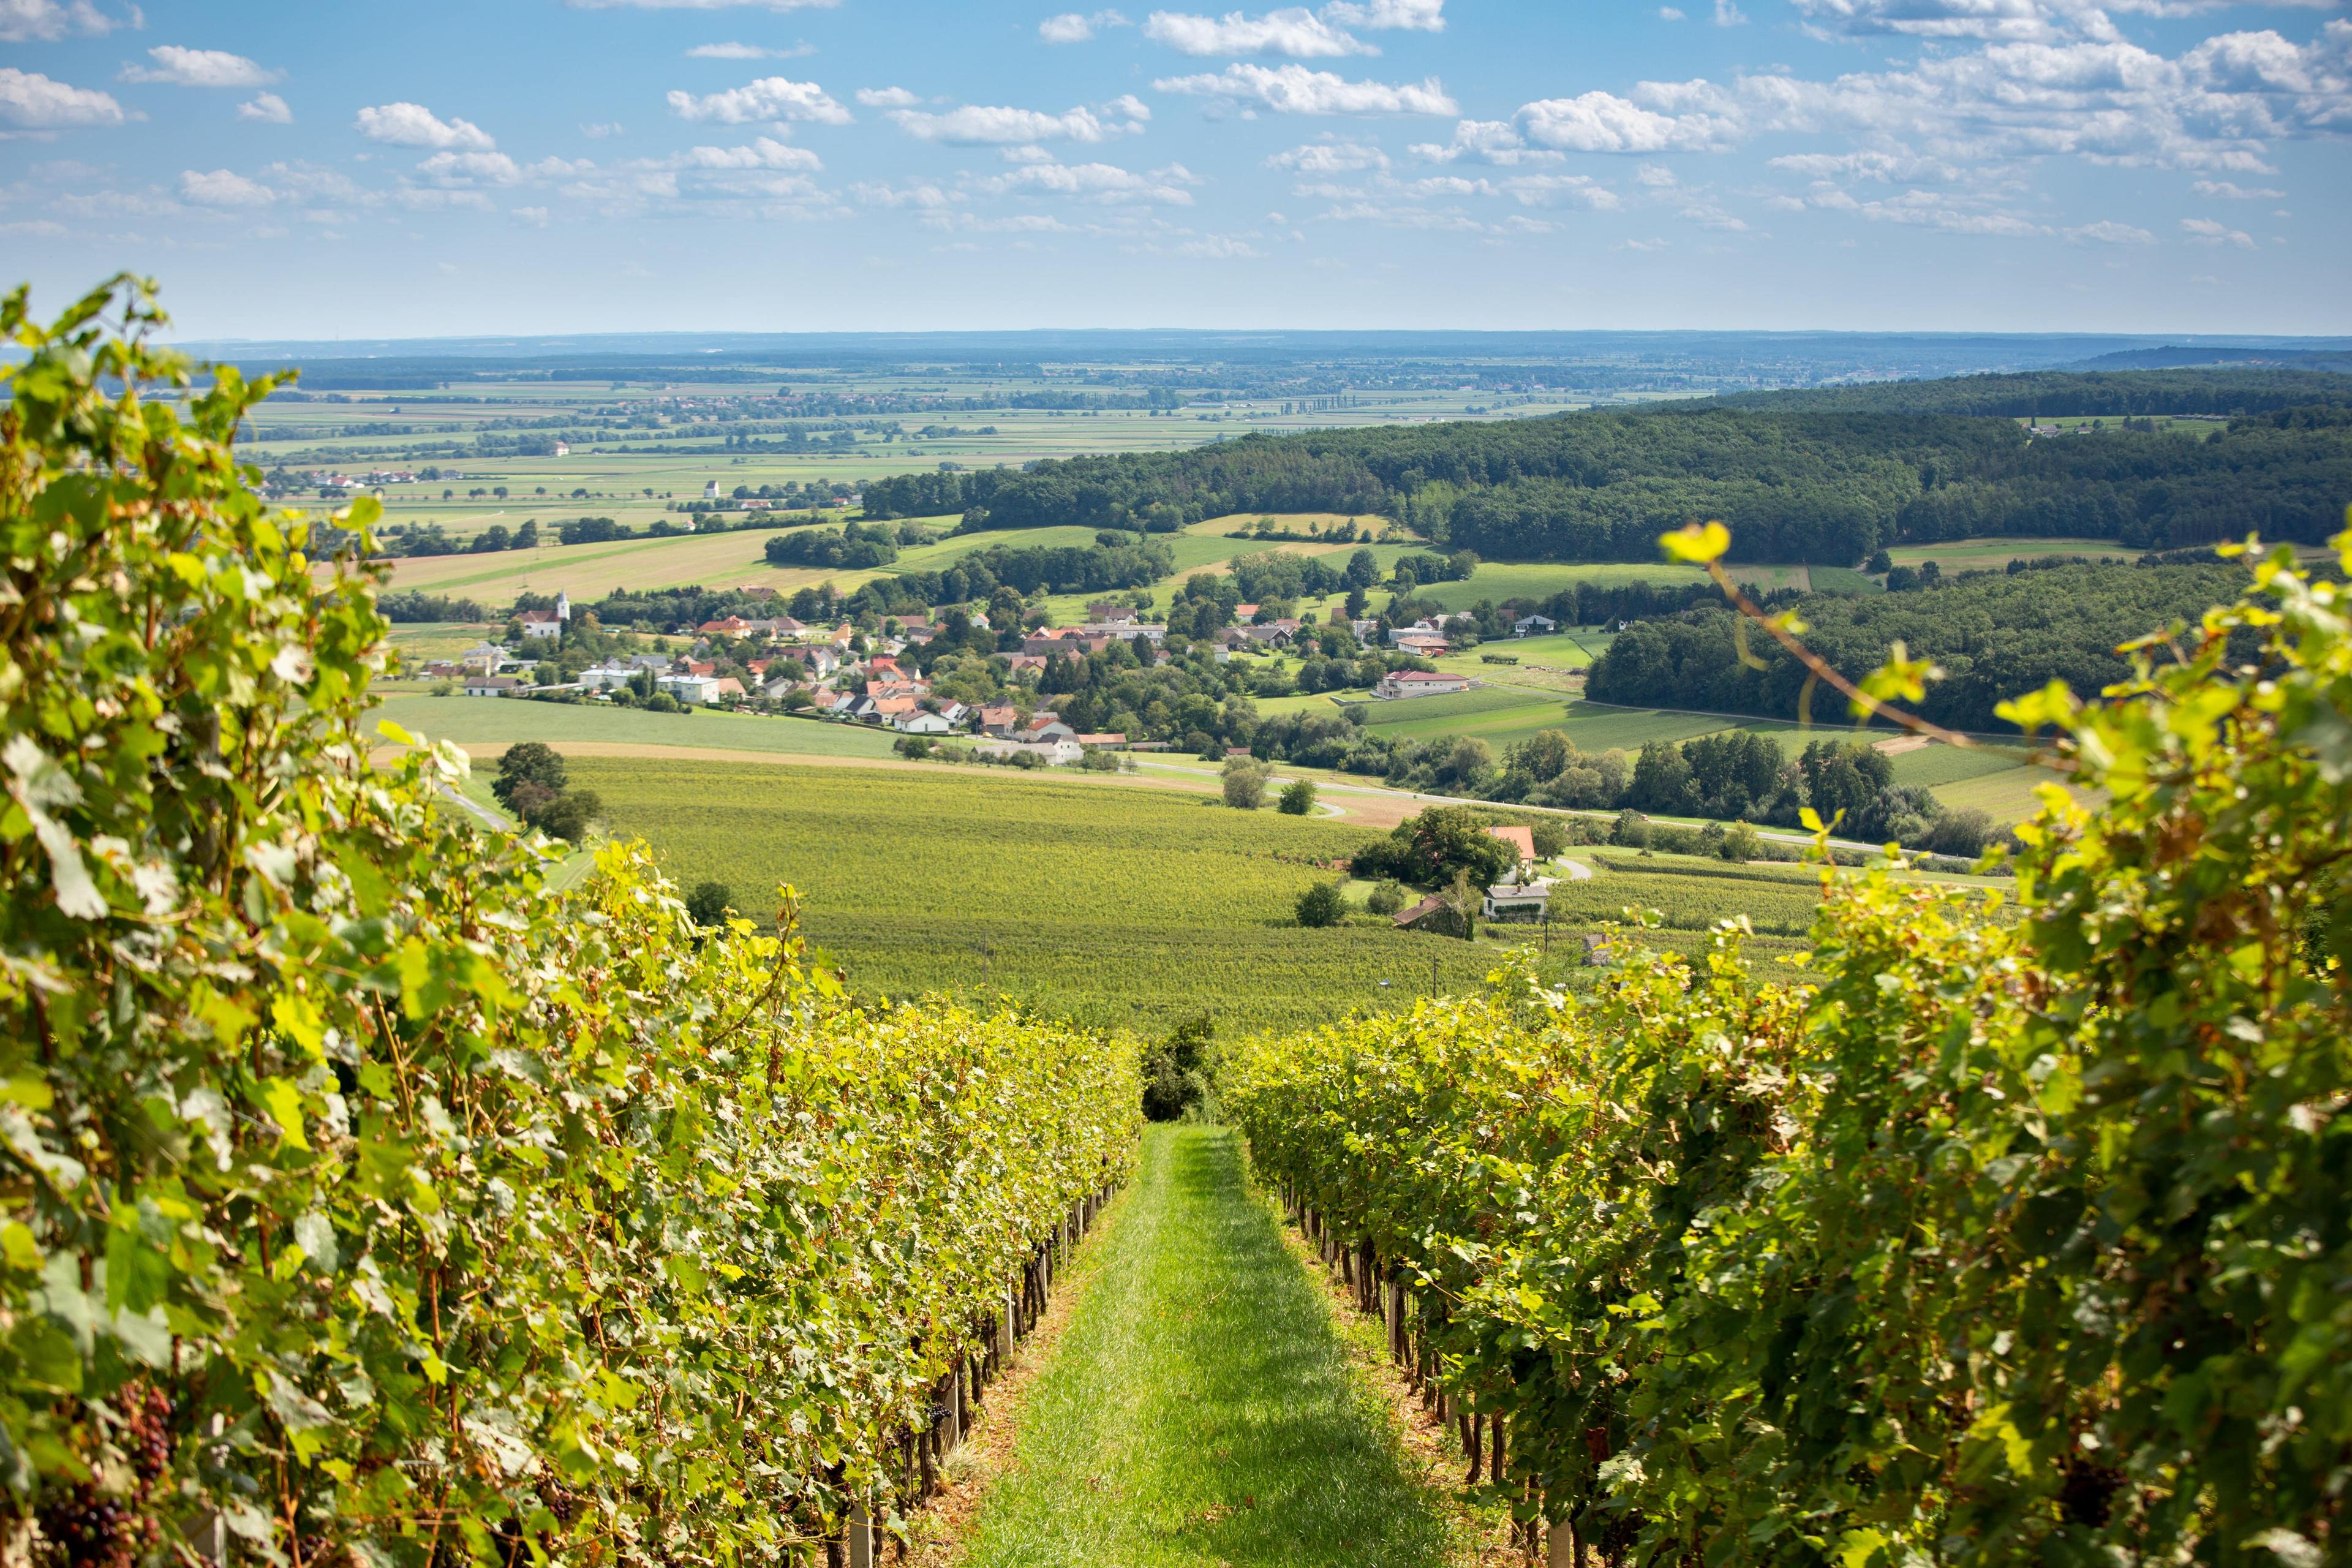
(1821, 476)
(1995, 635)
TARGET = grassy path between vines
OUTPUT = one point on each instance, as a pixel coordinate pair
(1200, 1409)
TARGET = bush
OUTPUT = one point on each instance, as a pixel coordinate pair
(1298, 797)
(568, 816)
(1386, 898)
(1741, 845)
(707, 904)
(1963, 833)
(1244, 783)
(1322, 905)
(1174, 1070)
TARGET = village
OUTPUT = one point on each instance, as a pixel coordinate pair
(850, 673)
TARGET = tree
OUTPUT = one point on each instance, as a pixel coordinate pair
(1173, 1081)
(709, 903)
(1322, 905)
(1386, 898)
(1741, 844)
(528, 762)
(1244, 783)
(1964, 832)
(568, 816)
(1662, 780)
(1449, 841)
(1298, 798)
(1362, 570)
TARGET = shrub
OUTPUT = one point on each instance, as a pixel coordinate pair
(1741, 844)
(1244, 783)
(709, 902)
(1322, 905)
(1298, 798)
(1386, 898)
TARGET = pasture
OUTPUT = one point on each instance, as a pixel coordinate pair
(1953, 555)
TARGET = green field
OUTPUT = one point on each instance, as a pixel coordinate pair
(491, 721)
(1109, 905)
(1992, 554)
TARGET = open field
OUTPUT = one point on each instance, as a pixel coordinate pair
(1109, 905)
(1992, 554)
(502, 721)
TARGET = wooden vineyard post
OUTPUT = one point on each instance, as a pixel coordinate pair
(1005, 1325)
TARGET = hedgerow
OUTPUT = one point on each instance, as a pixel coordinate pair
(1987, 1241)
(368, 1203)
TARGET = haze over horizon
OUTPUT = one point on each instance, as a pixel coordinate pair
(1998, 166)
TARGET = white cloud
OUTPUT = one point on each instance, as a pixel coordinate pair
(1547, 190)
(414, 125)
(222, 188)
(46, 21)
(1329, 158)
(1294, 31)
(886, 97)
(1295, 90)
(267, 107)
(1485, 141)
(463, 169)
(921, 196)
(36, 103)
(2229, 191)
(2205, 231)
(1416, 15)
(535, 216)
(1727, 15)
(1666, 14)
(748, 52)
(598, 132)
(199, 68)
(1077, 27)
(771, 98)
(1990, 21)
(701, 4)
(1656, 175)
(1220, 247)
(990, 125)
(764, 152)
(1603, 122)
(1102, 182)
(2109, 232)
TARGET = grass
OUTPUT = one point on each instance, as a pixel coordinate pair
(1201, 1411)
(1107, 905)
(477, 720)
(1992, 554)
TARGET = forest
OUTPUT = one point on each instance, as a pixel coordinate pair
(1797, 479)
(1995, 635)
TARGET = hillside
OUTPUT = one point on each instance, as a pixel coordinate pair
(1821, 476)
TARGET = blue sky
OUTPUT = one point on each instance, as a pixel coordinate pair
(292, 168)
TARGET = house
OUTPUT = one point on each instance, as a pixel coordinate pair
(1111, 741)
(1111, 615)
(888, 708)
(723, 688)
(696, 688)
(1421, 646)
(563, 448)
(1244, 612)
(1363, 629)
(1517, 900)
(1042, 728)
(1420, 683)
(710, 489)
(1015, 663)
(491, 685)
(726, 626)
(955, 713)
(1059, 753)
(606, 676)
(1533, 626)
(998, 718)
(921, 723)
(1433, 915)
(541, 623)
(1519, 837)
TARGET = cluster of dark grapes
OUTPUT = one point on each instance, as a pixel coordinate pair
(560, 1500)
(87, 1528)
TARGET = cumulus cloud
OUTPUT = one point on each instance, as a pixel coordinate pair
(886, 97)
(1294, 31)
(2106, 231)
(36, 103)
(1727, 15)
(748, 52)
(772, 98)
(764, 152)
(2205, 231)
(223, 188)
(1989, 21)
(1485, 141)
(199, 68)
(414, 125)
(1417, 16)
(922, 196)
(1077, 27)
(1548, 190)
(1295, 90)
(267, 108)
(2230, 191)
(1103, 183)
(1329, 158)
(990, 125)
(463, 169)
(46, 21)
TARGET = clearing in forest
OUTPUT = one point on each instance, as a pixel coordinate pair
(1201, 1408)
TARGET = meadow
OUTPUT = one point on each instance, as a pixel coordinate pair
(502, 721)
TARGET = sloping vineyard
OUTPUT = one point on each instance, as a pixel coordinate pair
(1997, 1241)
(367, 1202)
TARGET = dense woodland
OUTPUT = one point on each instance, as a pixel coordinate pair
(1827, 480)
(1996, 635)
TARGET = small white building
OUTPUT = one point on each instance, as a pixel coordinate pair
(694, 689)
(1059, 753)
(1420, 683)
(922, 722)
(491, 685)
(1534, 625)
